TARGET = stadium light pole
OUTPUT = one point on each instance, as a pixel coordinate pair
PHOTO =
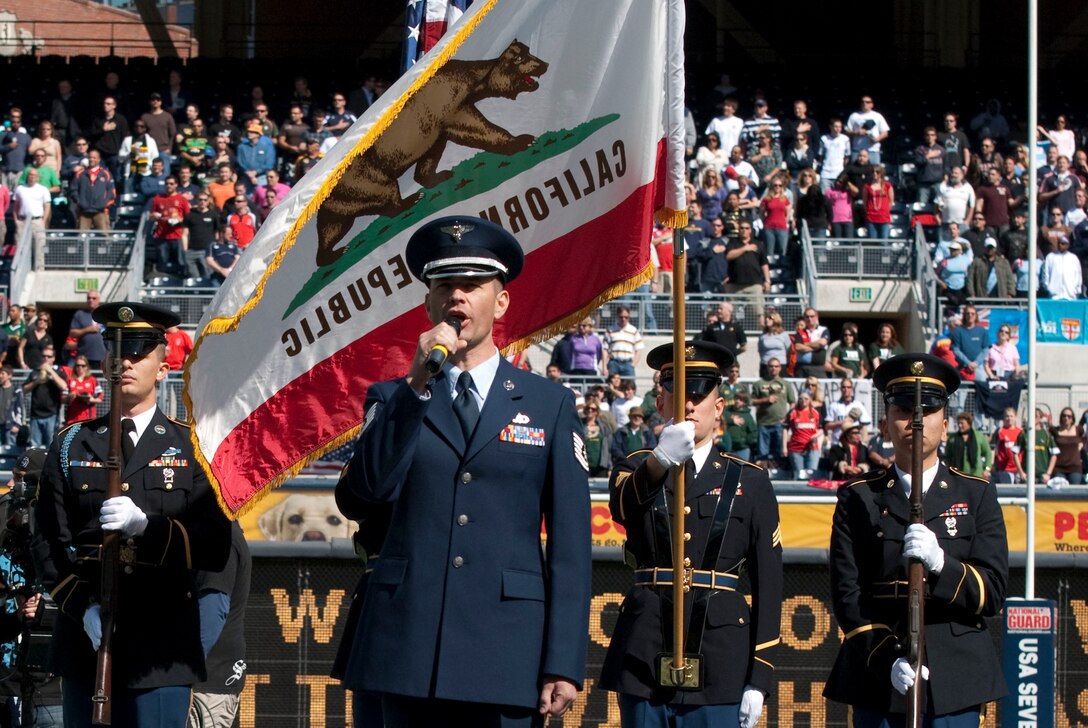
(1033, 272)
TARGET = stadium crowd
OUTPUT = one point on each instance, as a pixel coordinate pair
(209, 176)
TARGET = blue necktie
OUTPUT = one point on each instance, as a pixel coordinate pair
(464, 405)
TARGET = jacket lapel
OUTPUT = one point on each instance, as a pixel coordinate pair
(499, 408)
(938, 499)
(151, 445)
(440, 414)
(893, 498)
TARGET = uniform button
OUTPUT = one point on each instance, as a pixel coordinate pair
(128, 569)
(687, 536)
(462, 519)
(458, 562)
(741, 620)
(687, 561)
(169, 486)
(466, 477)
(188, 595)
(124, 486)
(131, 542)
(891, 483)
(84, 487)
(880, 534)
(687, 510)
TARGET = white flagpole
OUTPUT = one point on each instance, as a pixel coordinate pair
(1033, 270)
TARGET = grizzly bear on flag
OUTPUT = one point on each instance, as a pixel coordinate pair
(443, 110)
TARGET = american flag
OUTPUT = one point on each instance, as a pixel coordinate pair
(425, 22)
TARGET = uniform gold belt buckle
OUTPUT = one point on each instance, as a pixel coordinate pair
(688, 677)
(688, 574)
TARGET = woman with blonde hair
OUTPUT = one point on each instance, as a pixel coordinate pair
(878, 196)
(711, 195)
(45, 141)
(774, 342)
(777, 213)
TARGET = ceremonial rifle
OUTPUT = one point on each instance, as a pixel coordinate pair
(682, 671)
(111, 553)
(916, 574)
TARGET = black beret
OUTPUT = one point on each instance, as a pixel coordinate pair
(463, 246)
(896, 378)
(141, 325)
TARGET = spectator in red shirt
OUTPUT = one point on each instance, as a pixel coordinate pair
(242, 222)
(1006, 451)
(805, 426)
(178, 346)
(84, 393)
(168, 210)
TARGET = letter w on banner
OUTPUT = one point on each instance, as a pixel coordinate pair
(549, 117)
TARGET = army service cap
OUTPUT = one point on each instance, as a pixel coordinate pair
(704, 364)
(142, 326)
(463, 246)
(896, 378)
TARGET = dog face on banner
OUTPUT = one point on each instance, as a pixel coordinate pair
(305, 518)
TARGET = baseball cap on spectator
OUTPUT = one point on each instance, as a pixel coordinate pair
(954, 245)
(636, 412)
(761, 102)
(990, 243)
(155, 96)
(255, 127)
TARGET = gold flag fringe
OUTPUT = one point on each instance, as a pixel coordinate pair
(672, 218)
(558, 327)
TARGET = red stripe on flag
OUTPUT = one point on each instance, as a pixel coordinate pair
(433, 30)
(559, 278)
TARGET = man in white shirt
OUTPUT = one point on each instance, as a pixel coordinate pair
(867, 128)
(740, 168)
(1062, 273)
(834, 153)
(33, 207)
(727, 125)
(956, 198)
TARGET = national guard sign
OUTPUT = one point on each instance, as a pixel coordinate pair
(560, 120)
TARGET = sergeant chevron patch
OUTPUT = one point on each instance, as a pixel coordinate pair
(580, 452)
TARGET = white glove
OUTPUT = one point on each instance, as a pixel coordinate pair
(751, 706)
(902, 676)
(676, 444)
(121, 514)
(921, 543)
(92, 625)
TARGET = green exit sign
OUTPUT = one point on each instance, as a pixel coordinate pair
(91, 284)
(861, 295)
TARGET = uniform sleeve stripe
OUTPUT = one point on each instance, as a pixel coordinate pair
(776, 537)
(865, 628)
(55, 591)
(188, 551)
(621, 480)
(981, 588)
(878, 646)
(769, 643)
(960, 585)
(760, 659)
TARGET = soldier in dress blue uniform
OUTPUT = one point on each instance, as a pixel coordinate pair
(965, 552)
(465, 620)
(170, 524)
(731, 526)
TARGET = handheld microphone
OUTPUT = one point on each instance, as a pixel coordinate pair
(438, 354)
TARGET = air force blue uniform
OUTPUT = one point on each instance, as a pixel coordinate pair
(463, 603)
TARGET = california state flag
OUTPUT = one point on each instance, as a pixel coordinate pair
(560, 120)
